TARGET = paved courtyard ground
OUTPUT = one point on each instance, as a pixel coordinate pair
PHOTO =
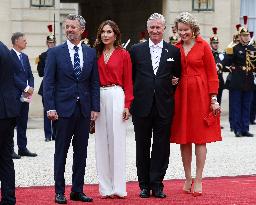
(231, 157)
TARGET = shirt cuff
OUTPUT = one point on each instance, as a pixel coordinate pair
(51, 111)
(26, 89)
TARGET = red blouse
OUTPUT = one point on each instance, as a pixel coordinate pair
(118, 71)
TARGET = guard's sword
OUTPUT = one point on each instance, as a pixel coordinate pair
(125, 45)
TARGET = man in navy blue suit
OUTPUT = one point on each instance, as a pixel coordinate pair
(9, 109)
(25, 82)
(71, 96)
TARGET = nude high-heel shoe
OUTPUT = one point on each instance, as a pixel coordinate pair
(187, 187)
(197, 189)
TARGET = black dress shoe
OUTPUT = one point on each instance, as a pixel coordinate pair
(26, 153)
(47, 140)
(238, 134)
(247, 134)
(76, 196)
(145, 193)
(15, 156)
(60, 199)
(158, 193)
(253, 123)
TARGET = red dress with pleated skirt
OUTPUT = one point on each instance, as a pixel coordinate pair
(192, 121)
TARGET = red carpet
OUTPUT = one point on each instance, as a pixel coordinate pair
(239, 190)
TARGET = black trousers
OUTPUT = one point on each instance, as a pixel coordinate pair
(7, 173)
(253, 108)
(75, 128)
(219, 96)
(151, 169)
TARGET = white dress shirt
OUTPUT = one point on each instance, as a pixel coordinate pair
(17, 52)
(155, 51)
(72, 52)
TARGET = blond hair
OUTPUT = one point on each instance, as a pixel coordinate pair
(189, 19)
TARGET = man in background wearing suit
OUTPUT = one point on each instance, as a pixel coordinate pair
(25, 82)
(72, 99)
(49, 130)
(154, 62)
(9, 109)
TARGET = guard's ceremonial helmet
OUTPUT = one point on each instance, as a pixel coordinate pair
(50, 38)
(214, 38)
(243, 29)
(142, 34)
(174, 39)
(251, 34)
(236, 35)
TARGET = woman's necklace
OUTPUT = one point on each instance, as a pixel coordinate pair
(107, 54)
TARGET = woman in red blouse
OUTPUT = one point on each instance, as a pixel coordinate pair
(116, 94)
(196, 116)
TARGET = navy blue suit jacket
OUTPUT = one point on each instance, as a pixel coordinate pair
(61, 88)
(9, 99)
(23, 77)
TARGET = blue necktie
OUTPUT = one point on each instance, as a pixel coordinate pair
(77, 68)
(21, 61)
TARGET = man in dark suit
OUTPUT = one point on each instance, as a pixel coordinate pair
(154, 63)
(71, 97)
(49, 130)
(9, 108)
(25, 82)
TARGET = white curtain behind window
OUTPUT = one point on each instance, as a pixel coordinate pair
(248, 8)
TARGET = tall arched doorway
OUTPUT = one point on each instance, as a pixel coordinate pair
(130, 15)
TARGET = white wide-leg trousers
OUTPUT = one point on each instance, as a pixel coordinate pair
(110, 137)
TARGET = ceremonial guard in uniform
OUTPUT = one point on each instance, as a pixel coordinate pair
(84, 38)
(49, 131)
(228, 60)
(173, 39)
(242, 83)
(219, 60)
(142, 37)
(253, 105)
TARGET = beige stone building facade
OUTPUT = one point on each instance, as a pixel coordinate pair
(131, 15)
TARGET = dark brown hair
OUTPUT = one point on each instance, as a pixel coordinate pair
(99, 46)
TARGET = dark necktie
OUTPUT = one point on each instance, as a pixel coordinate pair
(77, 68)
(21, 61)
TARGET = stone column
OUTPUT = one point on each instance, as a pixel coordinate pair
(170, 11)
(5, 21)
(166, 12)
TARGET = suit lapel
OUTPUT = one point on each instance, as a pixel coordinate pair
(67, 58)
(163, 58)
(17, 59)
(148, 56)
(84, 58)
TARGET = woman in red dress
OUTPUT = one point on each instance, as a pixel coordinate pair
(196, 116)
(116, 94)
